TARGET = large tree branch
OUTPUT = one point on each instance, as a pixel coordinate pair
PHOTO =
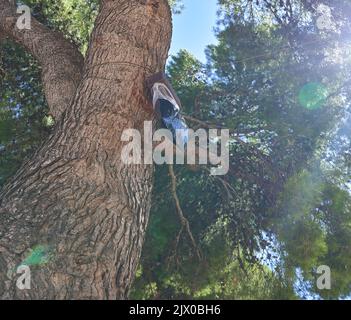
(77, 198)
(60, 60)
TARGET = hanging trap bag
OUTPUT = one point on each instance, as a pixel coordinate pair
(167, 106)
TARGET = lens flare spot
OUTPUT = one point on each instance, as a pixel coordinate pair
(37, 256)
(313, 95)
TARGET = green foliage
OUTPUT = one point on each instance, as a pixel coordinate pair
(221, 276)
(74, 18)
(267, 81)
(22, 108)
(188, 79)
(315, 230)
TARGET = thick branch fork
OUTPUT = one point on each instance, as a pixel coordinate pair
(76, 197)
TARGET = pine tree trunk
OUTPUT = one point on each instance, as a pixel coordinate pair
(75, 197)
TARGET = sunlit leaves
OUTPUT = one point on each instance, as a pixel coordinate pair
(22, 108)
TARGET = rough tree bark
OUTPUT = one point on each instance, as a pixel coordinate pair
(75, 196)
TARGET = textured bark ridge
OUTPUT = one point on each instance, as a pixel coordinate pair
(75, 198)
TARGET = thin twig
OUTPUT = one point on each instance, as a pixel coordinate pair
(173, 257)
(227, 186)
(206, 125)
(183, 220)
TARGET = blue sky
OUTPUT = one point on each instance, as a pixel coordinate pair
(193, 28)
